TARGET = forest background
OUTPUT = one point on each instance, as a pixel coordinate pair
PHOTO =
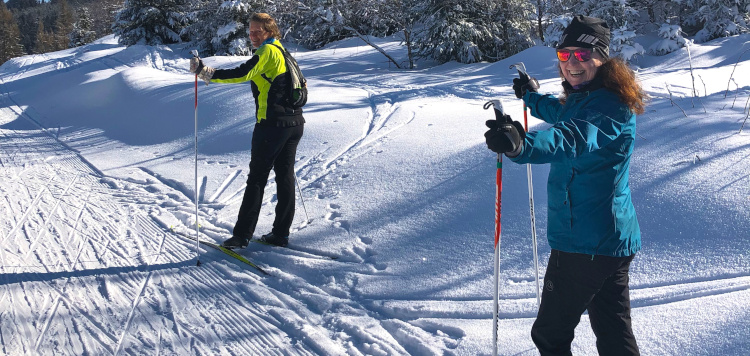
(439, 31)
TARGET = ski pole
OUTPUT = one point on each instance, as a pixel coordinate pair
(197, 226)
(522, 71)
(498, 209)
(300, 197)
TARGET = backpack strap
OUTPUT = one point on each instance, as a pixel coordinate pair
(282, 53)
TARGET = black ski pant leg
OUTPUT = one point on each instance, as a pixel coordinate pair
(609, 313)
(267, 144)
(571, 283)
(283, 166)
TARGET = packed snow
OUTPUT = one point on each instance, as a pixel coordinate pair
(97, 156)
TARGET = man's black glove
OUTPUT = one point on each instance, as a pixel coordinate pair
(524, 84)
(505, 136)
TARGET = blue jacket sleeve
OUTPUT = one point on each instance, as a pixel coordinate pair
(586, 131)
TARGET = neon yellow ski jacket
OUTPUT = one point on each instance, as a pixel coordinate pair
(267, 72)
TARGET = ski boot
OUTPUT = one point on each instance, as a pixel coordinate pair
(236, 242)
(271, 239)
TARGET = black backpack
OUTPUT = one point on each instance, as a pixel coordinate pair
(297, 90)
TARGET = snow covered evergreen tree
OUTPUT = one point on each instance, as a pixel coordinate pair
(464, 31)
(219, 27)
(722, 18)
(624, 45)
(150, 22)
(671, 41)
(554, 31)
(617, 13)
(515, 28)
(82, 33)
(325, 21)
(232, 21)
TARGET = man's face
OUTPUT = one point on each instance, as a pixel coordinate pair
(257, 34)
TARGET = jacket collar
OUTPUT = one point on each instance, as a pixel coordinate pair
(594, 84)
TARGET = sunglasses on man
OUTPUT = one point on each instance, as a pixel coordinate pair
(581, 54)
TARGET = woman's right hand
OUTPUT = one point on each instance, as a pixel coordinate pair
(524, 84)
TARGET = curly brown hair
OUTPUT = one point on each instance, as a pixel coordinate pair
(267, 23)
(620, 79)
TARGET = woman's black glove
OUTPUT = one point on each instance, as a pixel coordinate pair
(505, 136)
(524, 84)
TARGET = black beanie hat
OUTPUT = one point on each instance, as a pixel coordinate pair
(587, 32)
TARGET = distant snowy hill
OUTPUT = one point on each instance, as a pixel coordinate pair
(96, 149)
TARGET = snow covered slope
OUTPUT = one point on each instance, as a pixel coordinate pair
(96, 150)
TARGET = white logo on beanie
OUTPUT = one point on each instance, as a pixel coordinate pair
(588, 39)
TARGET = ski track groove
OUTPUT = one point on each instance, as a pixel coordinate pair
(210, 278)
(98, 327)
(43, 229)
(47, 323)
(131, 314)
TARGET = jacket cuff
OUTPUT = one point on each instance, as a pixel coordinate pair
(515, 153)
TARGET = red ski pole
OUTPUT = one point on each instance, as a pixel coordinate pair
(498, 233)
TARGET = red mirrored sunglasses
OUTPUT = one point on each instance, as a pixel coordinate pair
(581, 54)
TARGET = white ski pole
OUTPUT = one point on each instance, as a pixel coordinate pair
(301, 199)
(197, 226)
(522, 71)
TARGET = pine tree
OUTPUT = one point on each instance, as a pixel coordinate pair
(199, 29)
(513, 18)
(474, 30)
(623, 44)
(82, 33)
(325, 21)
(722, 18)
(671, 41)
(232, 21)
(10, 37)
(617, 13)
(220, 27)
(150, 22)
(63, 25)
(44, 41)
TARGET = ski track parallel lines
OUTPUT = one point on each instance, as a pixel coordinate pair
(29, 209)
(224, 185)
(43, 228)
(47, 323)
(131, 314)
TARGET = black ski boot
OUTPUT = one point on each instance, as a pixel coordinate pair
(236, 242)
(272, 239)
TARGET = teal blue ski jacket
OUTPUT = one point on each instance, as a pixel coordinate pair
(588, 147)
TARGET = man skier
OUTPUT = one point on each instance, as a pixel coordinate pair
(278, 130)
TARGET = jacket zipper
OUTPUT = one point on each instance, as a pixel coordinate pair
(567, 198)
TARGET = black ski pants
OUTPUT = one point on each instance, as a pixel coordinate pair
(272, 148)
(575, 283)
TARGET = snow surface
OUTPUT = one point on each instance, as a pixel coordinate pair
(97, 167)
